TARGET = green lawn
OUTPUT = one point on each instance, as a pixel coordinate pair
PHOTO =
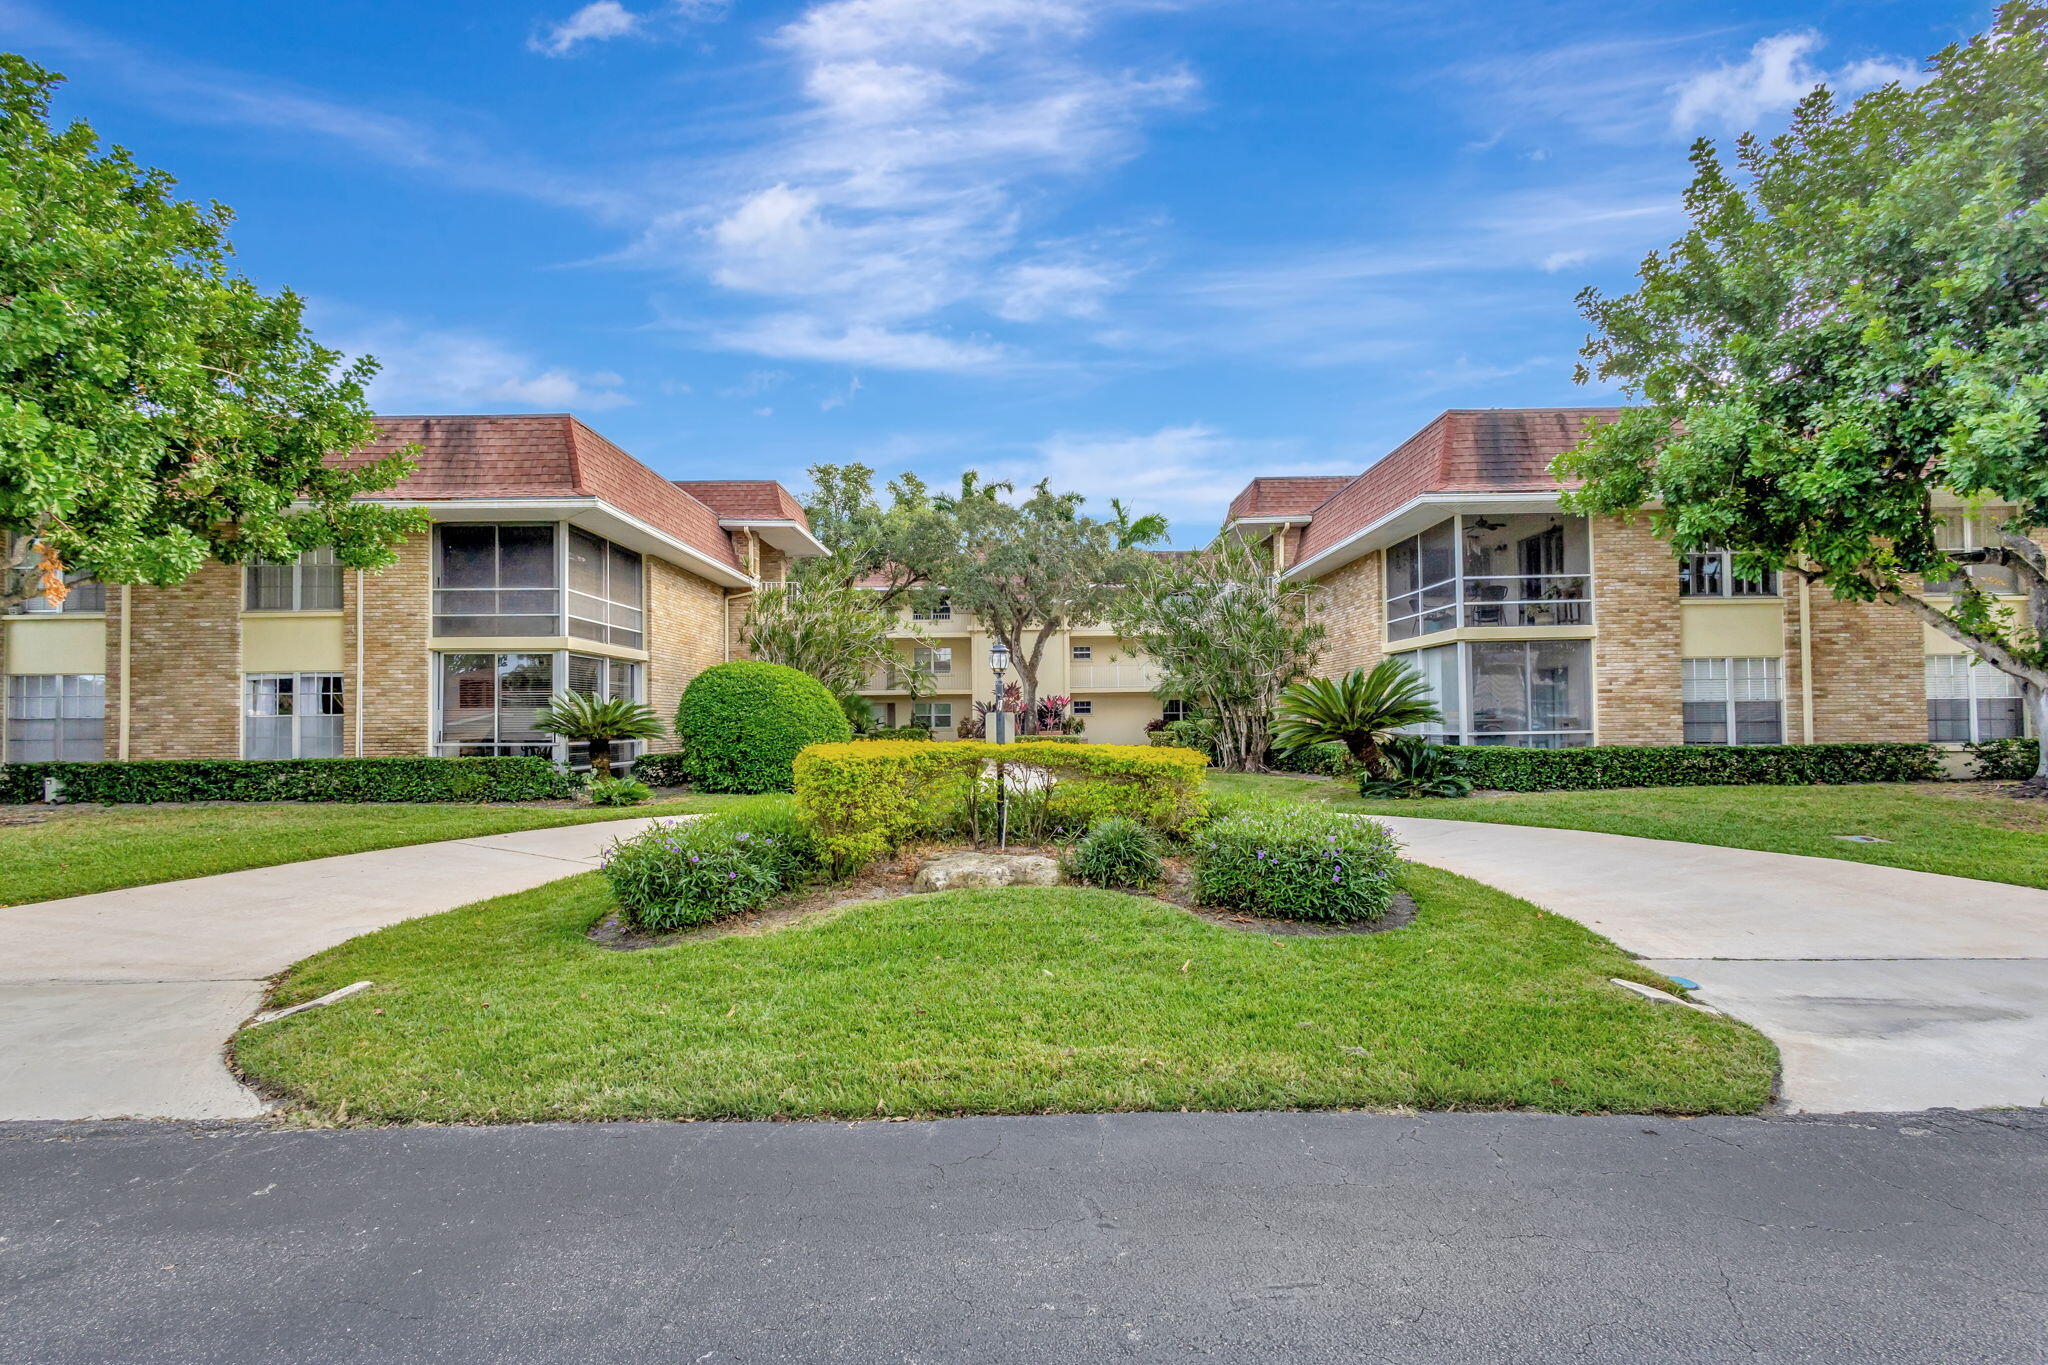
(84, 850)
(990, 1002)
(1954, 828)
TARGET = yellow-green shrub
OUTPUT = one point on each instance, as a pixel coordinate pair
(868, 797)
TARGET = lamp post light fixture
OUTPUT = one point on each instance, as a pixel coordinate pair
(998, 664)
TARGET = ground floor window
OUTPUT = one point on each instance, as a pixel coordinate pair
(56, 718)
(1968, 702)
(1177, 710)
(1733, 701)
(604, 679)
(488, 704)
(292, 715)
(1534, 694)
(1084, 708)
(932, 715)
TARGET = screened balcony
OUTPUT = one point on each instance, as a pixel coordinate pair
(1516, 569)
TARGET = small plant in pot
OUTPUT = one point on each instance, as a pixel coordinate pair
(1417, 767)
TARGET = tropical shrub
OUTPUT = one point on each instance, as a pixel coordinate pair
(295, 779)
(742, 724)
(661, 770)
(677, 874)
(1297, 862)
(618, 791)
(1116, 852)
(1326, 759)
(1417, 767)
(1504, 768)
(583, 718)
(1360, 710)
(869, 797)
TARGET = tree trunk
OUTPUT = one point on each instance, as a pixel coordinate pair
(600, 758)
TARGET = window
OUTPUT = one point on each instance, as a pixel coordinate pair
(1733, 701)
(85, 595)
(1531, 693)
(1422, 582)
(932, 715)
(1176, 710)
(603, 679)
(56, 718)
(495, 580)
(1968, 702)
(1083, 653)
(1960, 531)
(1439, 668)
(942, 610)
(1519, 569)
(1711, 573)
(489, 703)
(936, 660)
(310, 583)
(1084, 708)
(605, 601)
(292, 715)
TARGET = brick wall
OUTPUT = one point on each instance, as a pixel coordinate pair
(397, 683)
(185, 667)
(1869, 672)
(1352, 617)
(1638, 696)
(685, 636)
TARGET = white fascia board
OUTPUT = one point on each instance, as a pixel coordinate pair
(793, 538)
(593, 514)
(1413, 516)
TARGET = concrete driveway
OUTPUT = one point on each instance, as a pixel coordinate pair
(119, 1004)
(1884, 989)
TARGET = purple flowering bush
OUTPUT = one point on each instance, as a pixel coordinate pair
(678, 874)
(1298, 862)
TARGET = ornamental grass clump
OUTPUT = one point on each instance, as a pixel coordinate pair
(679, 874)
(1116, 853)
(1296, 862)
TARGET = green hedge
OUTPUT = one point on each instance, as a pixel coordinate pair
(743, 723)
(662, 770)
(295, 779)
(2004, 760)
(1502, 768)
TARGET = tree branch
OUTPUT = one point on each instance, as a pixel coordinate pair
(1993, 650)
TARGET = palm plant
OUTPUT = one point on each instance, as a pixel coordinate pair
(581, 717)
(1360, 710)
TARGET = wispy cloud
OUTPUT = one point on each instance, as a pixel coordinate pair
(602, 20)
(1776, 75)
(454, 369)
(799, 336)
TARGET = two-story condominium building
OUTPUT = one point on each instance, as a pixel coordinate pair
(1539, 628)
(555, 562)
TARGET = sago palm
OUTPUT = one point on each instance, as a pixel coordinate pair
(583, 718)
(1359, 710)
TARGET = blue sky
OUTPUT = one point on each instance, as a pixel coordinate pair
(1148, 248)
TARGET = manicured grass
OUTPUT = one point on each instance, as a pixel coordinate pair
(1961, 829)
(79, 851)
(990, 1002)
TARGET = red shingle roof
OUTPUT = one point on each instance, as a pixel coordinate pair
(549, 455)
(1286, 495)
(1463, 451)
(746, 499)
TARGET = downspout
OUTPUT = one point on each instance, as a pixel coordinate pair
(127, 671)
(361, 675)
(1805, 660)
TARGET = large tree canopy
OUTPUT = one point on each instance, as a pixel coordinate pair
(156, 409)
(1853, 326)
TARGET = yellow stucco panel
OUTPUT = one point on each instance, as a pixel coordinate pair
(294, 642)
(1731, 630)
(57, 644)
(1934, 642)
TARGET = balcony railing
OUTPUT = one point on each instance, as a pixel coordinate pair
(1528, 600)
(1119, 677)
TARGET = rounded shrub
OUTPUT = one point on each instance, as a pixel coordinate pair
(677, 874)
(1116, 852)
(742, 724)
(1297, 862)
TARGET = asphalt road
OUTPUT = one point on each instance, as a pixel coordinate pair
(1259, 1237)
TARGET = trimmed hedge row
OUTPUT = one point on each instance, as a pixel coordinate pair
(869, 797)
(295, 779)
(2004, 760)
(662, 770)
(1503, 768)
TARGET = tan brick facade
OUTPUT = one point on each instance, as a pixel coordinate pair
(1637, 695)
(184, 667)
(686, 624)
(1869, 672)
(1353, 617)
(388, 679)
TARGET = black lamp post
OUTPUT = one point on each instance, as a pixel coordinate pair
(998, 664)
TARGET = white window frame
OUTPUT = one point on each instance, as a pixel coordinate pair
(1978, 531)
(87, 597)
(1738, 680)
(319, 558)
(321, 687)
(624, 623)
(73, 703)
(1461, 606)
(1696, 566)
(942, 612)
(937, 660)
(1980, 682)
(930, 712)
(1465, 712)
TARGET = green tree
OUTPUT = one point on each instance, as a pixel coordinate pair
(890, 548)
(837, 633)
(581, 717)
(1360, 710)
(1227, 636)
(1029, 569)
(157, 409)
(1852, 326)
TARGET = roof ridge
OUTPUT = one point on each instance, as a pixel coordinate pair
(576, 479)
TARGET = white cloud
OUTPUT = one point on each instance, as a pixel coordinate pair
(1559, 260)
(595, 22)
(455, 370)
(842, 397)
(755, 383)
(1040, 289)
(795, 336)
(1776, 75)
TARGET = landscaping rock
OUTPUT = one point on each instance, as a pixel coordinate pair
(973, 871)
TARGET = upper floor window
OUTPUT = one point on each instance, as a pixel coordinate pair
(1518, 569)
(312, 582)
(1084, 653)
(1962, 531)
(496, 580)
(606, 591)
(85, 595)
(935, 660)
(942, 610)
(1711, 573)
